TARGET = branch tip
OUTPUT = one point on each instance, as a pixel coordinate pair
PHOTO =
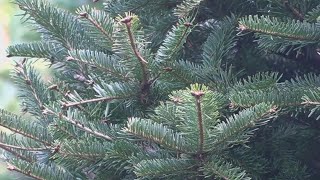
(126, 20)
(83, 15)
(188, 24)
(197, 94)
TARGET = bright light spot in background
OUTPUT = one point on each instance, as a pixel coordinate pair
(7, 90)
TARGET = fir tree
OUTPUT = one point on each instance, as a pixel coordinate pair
(161, 89)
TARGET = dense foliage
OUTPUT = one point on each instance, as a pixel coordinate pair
(163, 89)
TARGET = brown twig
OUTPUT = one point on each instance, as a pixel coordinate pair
(284, 35)
(143, 63)
(158, 141)
(271, 111)
(198, 95)
(200, 155)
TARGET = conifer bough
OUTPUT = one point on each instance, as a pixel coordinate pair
(151, 90)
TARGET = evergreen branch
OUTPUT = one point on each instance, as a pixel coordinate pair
(179, 76)
(313, 15)
(25, 134)
(169, 113)
(155, 168)
(312, 98)
(195, 118)
(8, 146)
(26, 144)
(14, 152)
(264, 87)
(131, 45)
(25, 75)
(100, 28)
(181, 39)
(155, 132)
(19, 131)
(29, 174)
(186, 7)
(96, 24)
(218, 167)
(126, 69)
(174, 41)
(292, 30)
(25, 128)
(279, 96)
(79, 125)
(183, 73)
(91, 157)
(259, 81)
(124, 154)
(124, 90)
(64, 130)
(85, 152)
(102, 99)
(254, 162)
(107, 63)
(220, 42)
(293, 9)
(40, 171)
(32, 90)
(56, 25)
(115, 7)
(238, 128)
(307, 102)
(198, 95)
(39, 50)
(143, 63)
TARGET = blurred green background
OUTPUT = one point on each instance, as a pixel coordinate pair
(12, 31)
